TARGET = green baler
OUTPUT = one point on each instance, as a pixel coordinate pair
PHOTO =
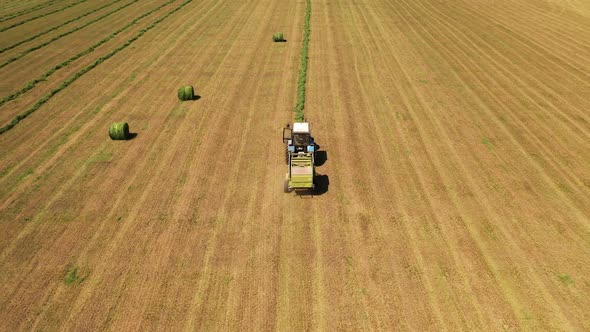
(300, 157)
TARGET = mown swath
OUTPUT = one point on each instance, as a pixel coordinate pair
(42, 15)
(46, 75)
(86, 69)
(26, 11)
(61, 35)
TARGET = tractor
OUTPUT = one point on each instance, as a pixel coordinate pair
(300, 151)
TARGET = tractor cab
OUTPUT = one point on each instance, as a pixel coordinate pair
(298, 138)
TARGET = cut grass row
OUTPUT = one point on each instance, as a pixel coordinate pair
(7, 6)
(88, 68)
(42, 15)
(65, 63)
(299, 107)
(26, 11)
(55, 28)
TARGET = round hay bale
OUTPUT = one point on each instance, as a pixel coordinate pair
(119, 131)
(277, 37)
(181, 93)
(189, 92)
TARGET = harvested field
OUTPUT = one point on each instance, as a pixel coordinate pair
(455, 191)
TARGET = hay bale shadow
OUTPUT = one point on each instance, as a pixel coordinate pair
(196, 97)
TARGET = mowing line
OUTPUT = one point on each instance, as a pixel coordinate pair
(299, 116)
(40, 16)
(48, 31)
(26, 11)
(50, 72)
(98, 61)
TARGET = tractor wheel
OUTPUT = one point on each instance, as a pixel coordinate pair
(287, 155)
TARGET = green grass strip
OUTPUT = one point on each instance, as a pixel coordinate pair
(50, 72)
(60, 36)
(42, 15)
(26, 11)
(299, 116)
(88, 68)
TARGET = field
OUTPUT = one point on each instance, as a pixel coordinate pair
(455, 186)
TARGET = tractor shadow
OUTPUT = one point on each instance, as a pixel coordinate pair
(321, 157)
(322, 183)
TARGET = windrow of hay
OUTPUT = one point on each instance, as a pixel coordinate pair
(62, 34)
(299, 117)
(86, 69)
(26, 11)
(50, 72)
(42, 15)
(119, 131)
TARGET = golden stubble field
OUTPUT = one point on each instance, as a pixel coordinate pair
(456, 139)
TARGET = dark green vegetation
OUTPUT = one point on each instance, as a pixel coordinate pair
(73, 276)
(61, 35)
(98, 61)
(299, 116)
(42, 15)
(119, 131)
(278, 37)
(186, 93)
